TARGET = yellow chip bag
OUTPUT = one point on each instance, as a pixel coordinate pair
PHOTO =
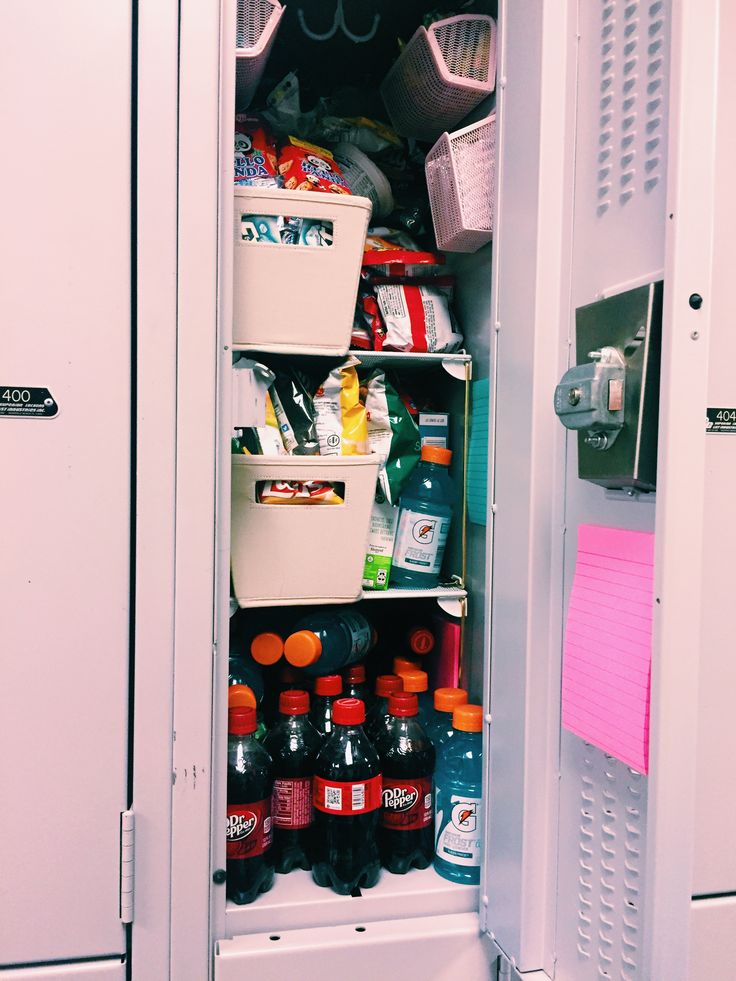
(341, 419)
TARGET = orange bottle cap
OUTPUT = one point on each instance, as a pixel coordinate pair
(414, 680)
(402, 664)
(240, 696)
(468, 718)
(421, 640)
(302, 648)
(437, 454)
(266, 648)
(445, 699)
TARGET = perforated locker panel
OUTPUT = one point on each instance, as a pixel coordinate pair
(618, 242)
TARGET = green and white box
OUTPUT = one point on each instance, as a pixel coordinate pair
(380, 548)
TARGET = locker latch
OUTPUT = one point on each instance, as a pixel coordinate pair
(590, 397)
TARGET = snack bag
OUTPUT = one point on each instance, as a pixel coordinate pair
(418, 317)
(262, 440)
(255, 154)
(306, 167)
(294, 411)
(341, 418)
(298, 492)
(389, 252)
(391, 432)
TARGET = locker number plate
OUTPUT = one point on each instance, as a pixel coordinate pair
(22, 401)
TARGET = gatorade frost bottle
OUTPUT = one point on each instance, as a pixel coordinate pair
(324, 643)
(424, 521)
(458, 784)
(293, 745)
(249, 787)
(406, 838)
(440, 726)
(326, 691)
(347, 801)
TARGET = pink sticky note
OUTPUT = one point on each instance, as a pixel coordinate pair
(606, 670)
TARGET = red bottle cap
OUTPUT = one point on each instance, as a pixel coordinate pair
(242, 721)
(421, 640)
(355, 675)
(348, 712)
(387, 684)
(403, 704)
(328, 684)
(288, 675)
(293, 702)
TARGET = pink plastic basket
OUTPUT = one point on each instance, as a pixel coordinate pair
(441, 75)
(256, 25)
(461, 180)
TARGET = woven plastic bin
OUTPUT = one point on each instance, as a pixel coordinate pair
(288, 554)
(461, 180)
(443, 73)
(257, 22)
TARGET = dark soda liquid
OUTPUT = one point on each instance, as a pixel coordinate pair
(250, 782)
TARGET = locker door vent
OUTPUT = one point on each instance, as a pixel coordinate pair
(612, 802)
(631, 104)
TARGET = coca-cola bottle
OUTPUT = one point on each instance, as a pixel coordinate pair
(406, 837)
(326, 690)
(375, 720)
(355, 685)
(293, 744)
(249, 788)
(347, 801)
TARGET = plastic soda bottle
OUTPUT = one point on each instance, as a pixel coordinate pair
(426, 506)
(439, 727)
(293, 744)
(406, 838)
(458, 784)
(326, 691)
(347, 802)
(355, 685)
(326, 642)
(250, 860)
(386, 685)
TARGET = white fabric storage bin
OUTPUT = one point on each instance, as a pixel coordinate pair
(295, 554)
(297, 299)
(461, 180)
(256, 25)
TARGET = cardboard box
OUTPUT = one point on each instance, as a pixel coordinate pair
(434, 429)
(380, 546)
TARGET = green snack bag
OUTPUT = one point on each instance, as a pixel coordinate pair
(392, 432)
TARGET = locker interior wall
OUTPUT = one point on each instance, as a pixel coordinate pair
(65, 535)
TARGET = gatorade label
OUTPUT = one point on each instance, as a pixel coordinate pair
(355, 797)
(407, 804)
(458, 829)
(360, 634)
(292, 803)
(249, 831)
(420, 542)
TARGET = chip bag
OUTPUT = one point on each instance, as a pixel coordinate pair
(341, 418)
(418, 317)
(391, 432)
(306, 167)
(298, 492)
(255, 154)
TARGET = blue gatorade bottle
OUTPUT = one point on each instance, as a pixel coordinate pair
(458, 782)
(424, 521)
(439, 728)
(325, 642)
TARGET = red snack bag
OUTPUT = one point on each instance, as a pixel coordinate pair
(255, 154)
(306, 167)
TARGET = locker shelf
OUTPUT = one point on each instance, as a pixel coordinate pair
(451, 598)
(454, 364)
(295, 903)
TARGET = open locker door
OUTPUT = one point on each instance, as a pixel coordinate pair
(589, 868)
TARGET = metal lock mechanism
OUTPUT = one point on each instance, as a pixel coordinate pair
(611, 397)
(590, 397)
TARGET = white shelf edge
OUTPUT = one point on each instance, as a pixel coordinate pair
(296, 903)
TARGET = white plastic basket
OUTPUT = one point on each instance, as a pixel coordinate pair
(461, 180)
(291, 554)
(443, 73)
(256, 24)
(293, 298)
(365, 178)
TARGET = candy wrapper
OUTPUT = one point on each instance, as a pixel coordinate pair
(255, 154)
(281, 229)
(298, 492)
(341, 418)
(306, 167)
(392, 432)
(294, 411)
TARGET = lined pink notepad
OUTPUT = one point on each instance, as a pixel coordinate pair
(608, 643)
